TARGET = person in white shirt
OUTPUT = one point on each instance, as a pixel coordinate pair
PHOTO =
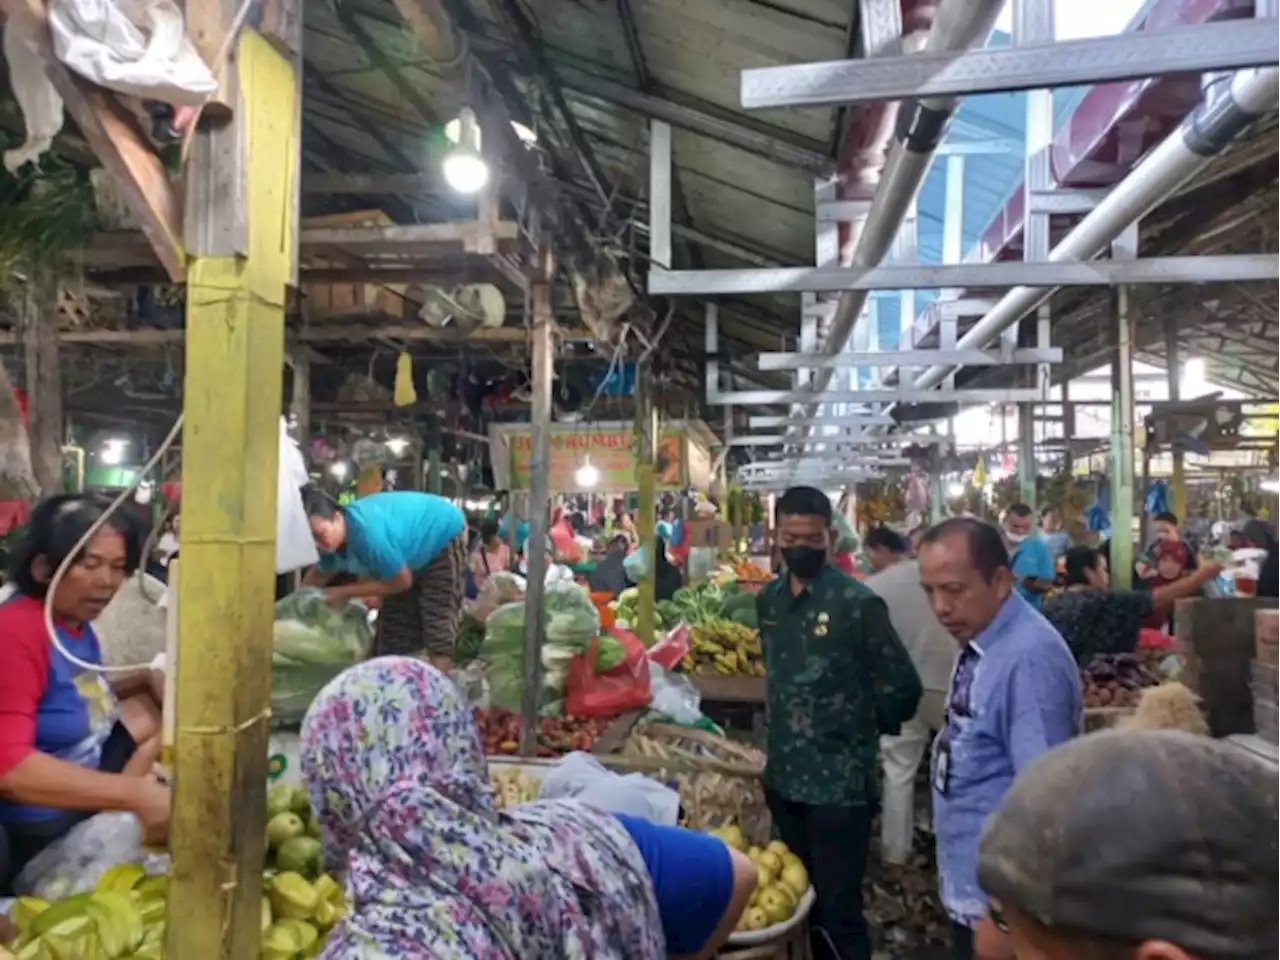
(897, 582)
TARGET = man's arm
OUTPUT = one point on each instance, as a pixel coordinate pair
(896, 685)
(1041, 707)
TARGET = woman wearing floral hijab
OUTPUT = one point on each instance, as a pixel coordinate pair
(395, 766)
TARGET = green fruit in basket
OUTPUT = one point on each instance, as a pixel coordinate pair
(776, 904)
(266, 914)
(278, 944)
(279, 800)
(156, 887)
(292, 898)
(304, 934)
(70, 938)
(313, 826)
(25, 910)
(326, 915)
(301, 803)
(755, 919)
(123, 878)
(68, 909)
(794, 876)
(284, 827)
(152, 911)
(302, 855)
(330, 891)
(119, 921)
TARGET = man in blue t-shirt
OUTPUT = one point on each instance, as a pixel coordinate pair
(408, 550)
(1029, 557)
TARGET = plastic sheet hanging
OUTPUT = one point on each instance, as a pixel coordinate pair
(295, 548)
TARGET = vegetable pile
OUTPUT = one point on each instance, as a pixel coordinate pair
(311, 644)
(556, 735)
(570, 624)
(1115, 680)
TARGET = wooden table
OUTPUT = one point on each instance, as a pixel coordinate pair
(728, 698)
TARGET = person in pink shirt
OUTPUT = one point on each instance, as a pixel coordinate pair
(490, 556)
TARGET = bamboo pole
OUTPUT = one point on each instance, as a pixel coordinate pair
(232, 396)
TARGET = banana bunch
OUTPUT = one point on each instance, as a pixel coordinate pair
(512, 787)
(724, 647)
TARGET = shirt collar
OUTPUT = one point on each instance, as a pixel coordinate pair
(999, 626)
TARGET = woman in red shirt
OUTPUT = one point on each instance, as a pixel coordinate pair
(73, 742)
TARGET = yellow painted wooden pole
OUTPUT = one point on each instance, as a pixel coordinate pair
(232, 395)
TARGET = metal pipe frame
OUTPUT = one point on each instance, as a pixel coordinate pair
(838, 440)
(1199, 48)
(907, 358)
(1225, 268)
(717, 398)
(851, 420)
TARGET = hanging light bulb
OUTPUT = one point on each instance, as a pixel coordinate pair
(465, 169)
(587, 475)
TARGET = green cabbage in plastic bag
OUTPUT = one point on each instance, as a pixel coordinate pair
(570, 622)
(311, 644)
(609, 653)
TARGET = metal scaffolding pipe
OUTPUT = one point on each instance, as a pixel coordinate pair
(959, 24)
(1231, 105)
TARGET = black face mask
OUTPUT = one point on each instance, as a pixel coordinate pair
(805, 562)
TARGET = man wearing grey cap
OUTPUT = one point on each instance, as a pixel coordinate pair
(1137, 845)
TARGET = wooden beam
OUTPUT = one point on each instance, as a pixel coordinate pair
(120, 250)
(44, 380)
(324, 333)
(120, 147)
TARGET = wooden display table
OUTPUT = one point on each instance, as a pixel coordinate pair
(733, 702)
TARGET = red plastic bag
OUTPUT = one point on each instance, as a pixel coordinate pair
(671, 649)
(625, 687)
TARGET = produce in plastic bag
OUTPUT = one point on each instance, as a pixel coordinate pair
(311, 644)
(75, 863)
(570, 622)
(501, 587)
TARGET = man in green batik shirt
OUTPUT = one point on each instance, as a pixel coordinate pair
(838, 679)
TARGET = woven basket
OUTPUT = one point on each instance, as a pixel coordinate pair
(793, 945)
(719, 781)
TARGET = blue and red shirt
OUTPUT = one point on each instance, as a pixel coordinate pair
(47, 704)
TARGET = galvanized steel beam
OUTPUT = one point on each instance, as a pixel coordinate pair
(1228, 45)
(1092, 273)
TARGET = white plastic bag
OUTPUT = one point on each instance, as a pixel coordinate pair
(580, 776)
(75, 863)
(134, 47)
(294, 547)
(674, 695)
(37, 98)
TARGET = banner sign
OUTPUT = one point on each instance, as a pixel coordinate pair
(610, 450)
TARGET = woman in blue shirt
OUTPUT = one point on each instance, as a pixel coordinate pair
(408, 549)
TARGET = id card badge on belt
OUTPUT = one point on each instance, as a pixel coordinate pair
(941, 763)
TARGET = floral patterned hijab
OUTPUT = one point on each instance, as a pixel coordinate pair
(395, 766)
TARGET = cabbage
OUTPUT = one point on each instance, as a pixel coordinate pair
(570, 622)
(311, 644)
(609, 653)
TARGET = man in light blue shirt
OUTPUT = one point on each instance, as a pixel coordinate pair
(1032, 563)
(407, 549)
(1014, 694)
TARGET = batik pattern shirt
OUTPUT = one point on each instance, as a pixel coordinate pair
(838, 678)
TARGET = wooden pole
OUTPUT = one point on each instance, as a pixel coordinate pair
(646, 507)
(539, 502)
(232, 400)
(44, 379)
